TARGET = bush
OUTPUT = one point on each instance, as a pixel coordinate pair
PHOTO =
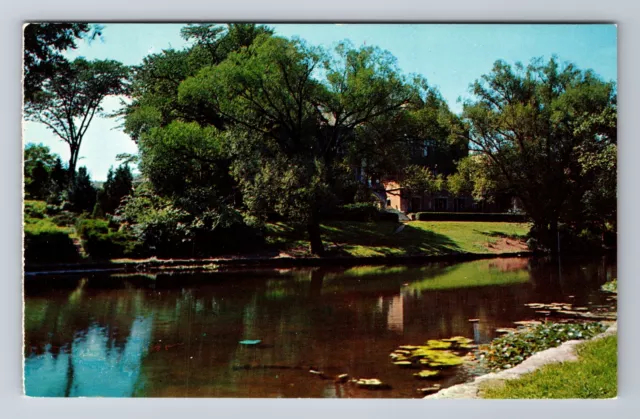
(471, 216)
(35, 209)
(44, 242)
(101, 242)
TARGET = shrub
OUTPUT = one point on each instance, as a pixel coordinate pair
(101, 242)
(471, 216)
(35, 209)
(44, 242)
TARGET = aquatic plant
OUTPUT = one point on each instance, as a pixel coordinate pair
(427, 374)
(434, 354)
(611, 286)
(513, 348)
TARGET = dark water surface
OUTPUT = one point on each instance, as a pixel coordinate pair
(178, 335)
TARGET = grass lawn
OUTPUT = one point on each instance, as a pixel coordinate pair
(417, 237)
(593, 376)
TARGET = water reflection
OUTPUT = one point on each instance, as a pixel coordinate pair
(177, 336)
(92, 366)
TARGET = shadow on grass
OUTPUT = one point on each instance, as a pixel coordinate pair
(502, 234)
(381, 239)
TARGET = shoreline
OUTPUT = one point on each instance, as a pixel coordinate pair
(566, 352)
(158, 265)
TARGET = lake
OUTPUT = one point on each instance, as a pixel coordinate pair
(180, 334)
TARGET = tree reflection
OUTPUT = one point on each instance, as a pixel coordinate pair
(92, 366)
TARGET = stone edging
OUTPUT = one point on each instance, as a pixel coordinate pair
(562, 353)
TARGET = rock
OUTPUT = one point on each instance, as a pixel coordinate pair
(506, 330)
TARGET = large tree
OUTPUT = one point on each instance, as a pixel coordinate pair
(73, 95)
(291, 112)
(533, 123)
(43, 44)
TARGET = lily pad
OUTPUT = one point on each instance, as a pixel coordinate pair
(427, 374)
(371, 383)
(403, 363)
(250, 342)
(438, 344)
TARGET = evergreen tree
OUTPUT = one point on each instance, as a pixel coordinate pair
(82, 194)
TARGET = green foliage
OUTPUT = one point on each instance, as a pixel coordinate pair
(513, 348)
(102, 242)
(117, 186)
(44, 242)
(163, 229)
(470, 216)
(421, 179)
(43, 43)
(593, 376)
(533, 125)
(35, 209)
(611, 286)
(72, 96)
(82, 194)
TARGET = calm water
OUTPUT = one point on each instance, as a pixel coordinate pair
(178, 335)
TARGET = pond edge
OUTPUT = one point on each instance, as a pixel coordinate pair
(563, 353)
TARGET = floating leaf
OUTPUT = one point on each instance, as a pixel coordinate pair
(427, 374)
(250, 342)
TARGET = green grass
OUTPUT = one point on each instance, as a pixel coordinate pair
(593, 376)
(418, 237)
(470, 275)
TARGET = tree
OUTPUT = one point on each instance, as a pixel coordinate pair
(530, 123)
(421, 179)
(118, 185)
(72, 96)
(292, 111)
(43, 44)
(82, 194)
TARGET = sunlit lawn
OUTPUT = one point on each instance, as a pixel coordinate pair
(417, 237)
(593, 376)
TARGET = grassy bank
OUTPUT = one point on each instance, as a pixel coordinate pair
(415, 238)
(63, 237)
(594, 375)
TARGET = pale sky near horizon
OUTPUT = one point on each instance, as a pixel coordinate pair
(450, 56)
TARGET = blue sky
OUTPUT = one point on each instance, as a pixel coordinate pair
(450, 56)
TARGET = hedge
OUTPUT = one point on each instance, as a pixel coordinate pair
(471, 216)
(44, 242)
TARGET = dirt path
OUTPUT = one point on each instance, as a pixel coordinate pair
(562, 353)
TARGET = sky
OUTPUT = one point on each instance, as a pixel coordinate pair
(450, 56)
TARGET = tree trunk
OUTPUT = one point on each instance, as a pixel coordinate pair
(315, 239)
